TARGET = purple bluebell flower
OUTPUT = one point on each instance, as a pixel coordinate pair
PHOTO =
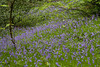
(92, 49)
(82, 56)
(93, 61)
(55, 56)
(38, 60)
(25, 65)
(92, 34)
(30, 59)
(83, 44)
(85, 54)
(78, 63)
(15, 61)
(48, 56)
(93, 17)
(6, 61)
(62, 58)
(58, 64)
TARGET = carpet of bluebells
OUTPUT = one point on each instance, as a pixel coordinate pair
(65, 43)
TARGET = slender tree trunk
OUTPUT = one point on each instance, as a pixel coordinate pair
(10, 26)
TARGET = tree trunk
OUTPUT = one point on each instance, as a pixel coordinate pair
(10, 26)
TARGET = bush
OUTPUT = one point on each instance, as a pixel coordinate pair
(93, 6)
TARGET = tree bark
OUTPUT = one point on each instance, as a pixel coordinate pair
(10, 22)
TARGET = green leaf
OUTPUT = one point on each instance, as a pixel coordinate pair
(63, 20)
(2, 28)
(98, 2)
(89, 0)
(4, 5)
(63, 25)
(82, 1)
(0, 65)
(19, 62)
(3, 62)
(7, 25)
(49, 0)
(48, 64)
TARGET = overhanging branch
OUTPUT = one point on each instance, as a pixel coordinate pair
(73, 9)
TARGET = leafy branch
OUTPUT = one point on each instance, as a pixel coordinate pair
(67, 9)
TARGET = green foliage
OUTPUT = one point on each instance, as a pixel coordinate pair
(31, 14)
(92, 6)
(89, 6)
(4, 14)
(2, 28)
(4, 5)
